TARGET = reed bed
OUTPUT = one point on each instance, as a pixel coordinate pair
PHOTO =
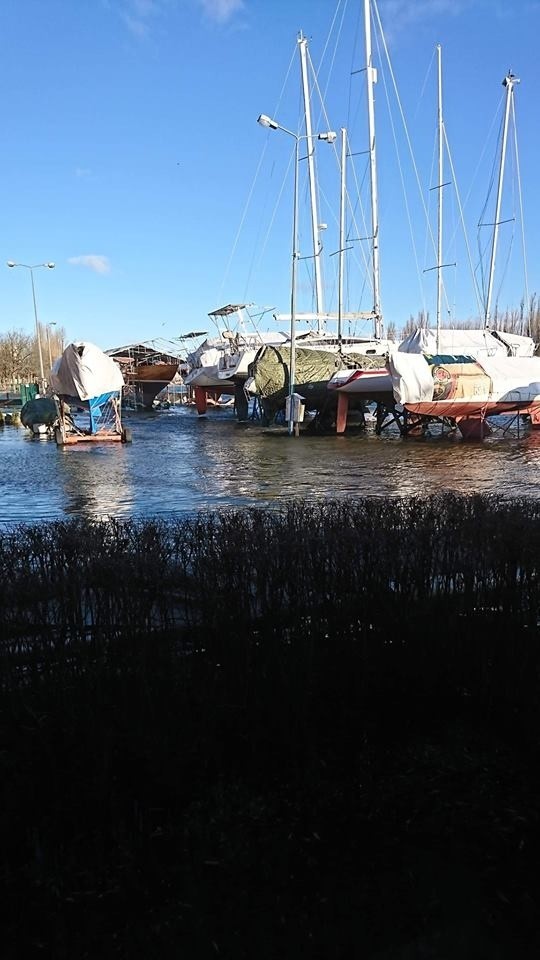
(181, 698)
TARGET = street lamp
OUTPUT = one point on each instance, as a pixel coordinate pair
(31, 268)
(48, 328)
(329, 136)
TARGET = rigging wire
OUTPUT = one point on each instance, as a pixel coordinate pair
(462, 220)
(482, 250)
(412, 156)
(363, 267)
(342, 3)
(251, 190)
(520, 201)
(424, 84)
(407, 208)
(311, 147)
(440, 186)
(506, 265)
(358, 213)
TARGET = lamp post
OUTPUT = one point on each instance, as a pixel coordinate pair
(31, 268)
(329, 136)
(49, 325)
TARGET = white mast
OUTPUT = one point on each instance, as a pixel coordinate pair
(371, 77)
(440, 198)
(319, 302)
(508, 82)
(341, 231)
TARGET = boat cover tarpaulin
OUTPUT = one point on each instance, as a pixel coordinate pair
(84, 371)
(474, 343)
(509, 379)
(314, 371)
(411, 377)
(518, 346)
(207, 353)
(39, 410)
(314, 368)
(513, 378)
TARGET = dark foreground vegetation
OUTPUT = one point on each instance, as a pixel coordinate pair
(261, 735)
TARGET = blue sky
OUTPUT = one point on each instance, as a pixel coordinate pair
(133, 160)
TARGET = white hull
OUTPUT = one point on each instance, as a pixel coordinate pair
(235, 360)
(227, 358)
(362, 382)
(235, 366)
(204, 377)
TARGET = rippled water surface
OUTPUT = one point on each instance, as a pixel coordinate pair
(179, 462)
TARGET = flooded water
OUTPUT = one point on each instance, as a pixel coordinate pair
(179, 463)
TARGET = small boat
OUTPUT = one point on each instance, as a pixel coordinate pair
(149, 379)
(147, 370)
(40, 416)
(89, 381)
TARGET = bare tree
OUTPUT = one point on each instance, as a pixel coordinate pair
(391, 332)
(17, 356)
(421, 323)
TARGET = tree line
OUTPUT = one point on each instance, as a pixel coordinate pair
(523, 320)
(19, 354)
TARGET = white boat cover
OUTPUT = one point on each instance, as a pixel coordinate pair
(195, 358)
(471, 343)
(84, 371)
(411, 377)
(511, 378)
(204, 367)
(518, 346)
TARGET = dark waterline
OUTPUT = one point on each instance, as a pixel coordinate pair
(179, 463)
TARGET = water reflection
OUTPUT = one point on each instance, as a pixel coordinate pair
(95, 480)
(180, 463)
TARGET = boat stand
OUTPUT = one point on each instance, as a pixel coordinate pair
(104, 422)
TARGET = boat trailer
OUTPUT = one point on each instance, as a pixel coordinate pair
(104, 422)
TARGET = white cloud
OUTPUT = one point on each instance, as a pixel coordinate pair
(94, 261)
(221, 10)
(402, 13)
(138, 15)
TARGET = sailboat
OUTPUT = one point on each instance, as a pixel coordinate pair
(220, 364)
(469, 375)
(319, 354)
(369, 381)
(422, 385)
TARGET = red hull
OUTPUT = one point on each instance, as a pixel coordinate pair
(456, 409)
(471, 416)
(151, 379)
